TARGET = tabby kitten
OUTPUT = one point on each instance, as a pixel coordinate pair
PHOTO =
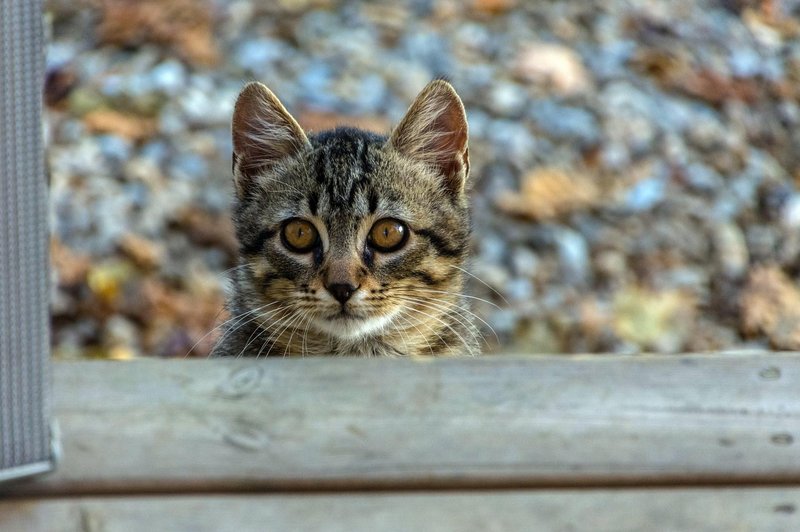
(351, 243)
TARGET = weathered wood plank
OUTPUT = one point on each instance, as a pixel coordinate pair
(742, 510)
(502, 421)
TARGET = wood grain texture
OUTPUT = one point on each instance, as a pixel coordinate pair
(220, 425)
(711, 510)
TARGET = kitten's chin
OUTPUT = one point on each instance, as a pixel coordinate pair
(352, 328)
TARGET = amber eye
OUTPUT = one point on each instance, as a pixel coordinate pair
(299, 235)
(388, 235)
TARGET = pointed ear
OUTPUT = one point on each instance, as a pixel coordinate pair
(263, 133)
(434, 131)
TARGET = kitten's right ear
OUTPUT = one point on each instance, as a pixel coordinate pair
(263, 133)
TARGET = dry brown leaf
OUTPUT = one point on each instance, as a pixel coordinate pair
(553, 65)
(167, 310)
(71, 268)
(208, 229)
(125, 125)
(143, 252)
(493, 7)
(184, 25)
(659, 320)
(770, 304)
(676, 73)
(548, 193)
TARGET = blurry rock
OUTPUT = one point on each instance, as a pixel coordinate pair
(573, 254)
(129, 126)
(790, 213)
(659, 321)
(770, 305)
(645, 194)
(524, 261)
(730, 249)
(708, 335)
(520, 289)
(507, 99)
(564, 122)
(168, 77)
(611, 266)
(762, 241)
(553, 65)
(513, 141)
(121, 338)
(184, 25)
(549, 193)
(535, 337)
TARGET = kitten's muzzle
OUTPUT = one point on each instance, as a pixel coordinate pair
(341, 291)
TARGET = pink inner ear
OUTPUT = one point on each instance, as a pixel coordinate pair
(451, 140)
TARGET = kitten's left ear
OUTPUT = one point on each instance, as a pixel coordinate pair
(263, 133)
(434, 131)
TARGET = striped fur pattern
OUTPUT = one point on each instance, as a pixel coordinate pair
(407, 302)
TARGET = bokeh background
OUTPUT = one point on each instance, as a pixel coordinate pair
(635, 164)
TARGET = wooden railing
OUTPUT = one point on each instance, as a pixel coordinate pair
(694, 442)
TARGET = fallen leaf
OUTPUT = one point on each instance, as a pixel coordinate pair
(770, 305)
(130, 126)
(553, 65)
(208, 229)
(71, 267)
(184, 25)
(548, 193)
(659, 320)
(493, 7)
(143, 252)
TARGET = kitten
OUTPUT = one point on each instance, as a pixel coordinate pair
(351, 243)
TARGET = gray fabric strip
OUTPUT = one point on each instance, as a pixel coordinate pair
(24, 317)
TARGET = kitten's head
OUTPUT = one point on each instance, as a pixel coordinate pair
(346, 232)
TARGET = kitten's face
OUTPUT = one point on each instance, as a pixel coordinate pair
(348, 233)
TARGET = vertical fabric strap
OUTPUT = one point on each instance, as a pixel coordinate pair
(24, 319)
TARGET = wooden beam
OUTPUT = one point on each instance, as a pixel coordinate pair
(220, 425)
(598, 511)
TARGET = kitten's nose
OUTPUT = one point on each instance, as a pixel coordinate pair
(341, 291)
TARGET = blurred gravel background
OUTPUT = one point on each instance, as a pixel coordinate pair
(635, 163)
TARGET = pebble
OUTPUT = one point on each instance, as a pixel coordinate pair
(257, 54)
(525, 262)
(790, 213)
(645, 194)
(512, 141)
(730, 249)
(169, 77)
(573, 254)
(564, 122)
(507, 99)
